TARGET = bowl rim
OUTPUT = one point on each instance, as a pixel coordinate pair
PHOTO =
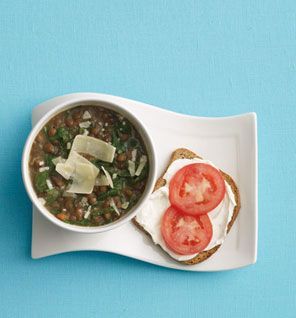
(89, 101)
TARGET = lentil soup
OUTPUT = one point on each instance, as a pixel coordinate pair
(88, 166)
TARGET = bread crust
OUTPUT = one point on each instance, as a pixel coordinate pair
(183, 153)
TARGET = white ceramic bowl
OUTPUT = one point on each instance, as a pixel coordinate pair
(93, 102)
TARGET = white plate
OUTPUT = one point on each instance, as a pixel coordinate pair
(230, 142)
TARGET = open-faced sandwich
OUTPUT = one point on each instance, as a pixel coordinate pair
(192, 208)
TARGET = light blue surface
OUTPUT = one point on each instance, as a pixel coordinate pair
(209, 58)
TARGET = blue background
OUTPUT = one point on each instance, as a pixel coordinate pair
(208, 58)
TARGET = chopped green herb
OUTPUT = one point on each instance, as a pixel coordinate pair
(119, 183)
(52, 195)
(48, 161)
(124, 173)
(141, 177)
(110, 193)
(117, 143)
(132, 143)
(124, 127)
(40, 181)
(55, 211)
(84, 222)
(64, 134)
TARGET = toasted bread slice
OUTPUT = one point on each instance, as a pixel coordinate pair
(183, 153)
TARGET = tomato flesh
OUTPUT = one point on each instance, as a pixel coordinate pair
(185, 234)
(197, 189)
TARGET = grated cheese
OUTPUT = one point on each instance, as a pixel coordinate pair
(134, 155)
(86, 115)
(49, 184)
(131, 168)
(108, 177)
(87, 214)
(85, 124)
(114, 207)
(143, 161)
(125, 205)
(43, 169)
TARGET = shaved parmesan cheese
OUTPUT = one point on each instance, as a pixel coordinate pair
(131, 167)
(114, 207)
(65, 170)
(81, 170)
(43, 169)
(114, 176)
(125, 205)
(68, 145)
(41, 163)
(94, 147)
(85, 124)
(86, 115)
(42, 201)
(86, 132)
(57, 160)
(143, 161)
(71, 195)
(134, 155)
(83, 179)
(108, 177)
(49, 184)
(102, 181)
(87, 214)
(75, 157)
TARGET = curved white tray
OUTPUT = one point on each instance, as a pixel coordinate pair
(230, 142)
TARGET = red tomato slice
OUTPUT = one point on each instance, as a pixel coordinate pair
(185, 234)
(197, 189)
